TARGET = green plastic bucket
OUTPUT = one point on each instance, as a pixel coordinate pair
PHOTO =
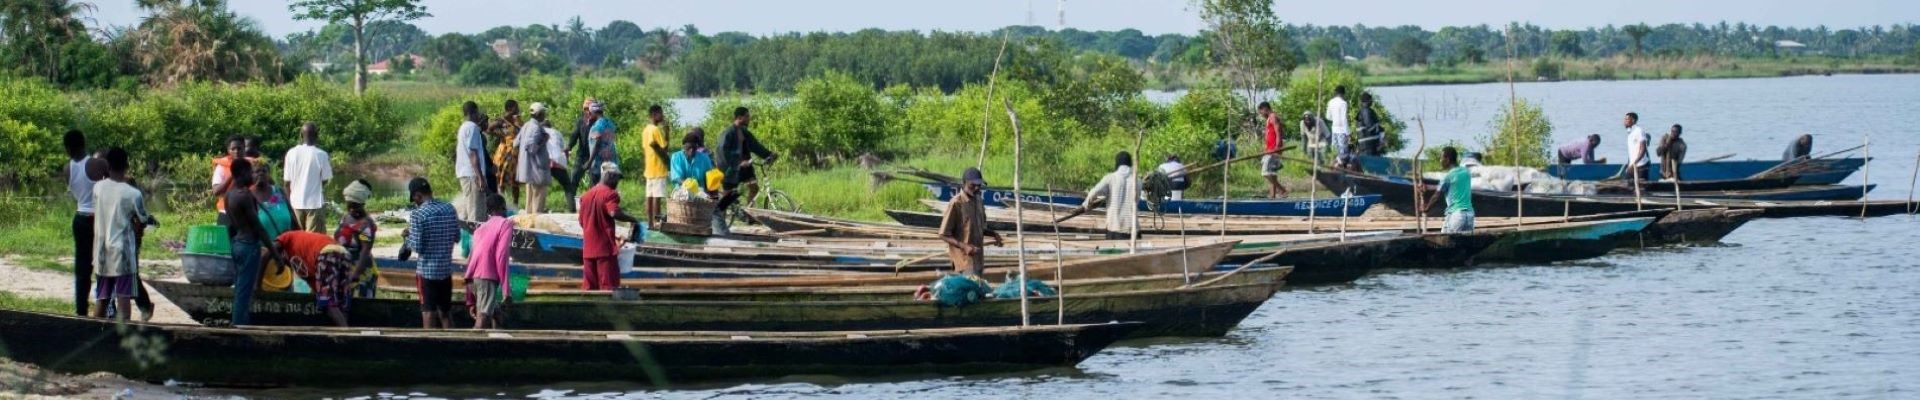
(519, 283)
(208, 239)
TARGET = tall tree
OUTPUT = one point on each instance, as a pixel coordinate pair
(191, 40)
(1638, 32)
(357, 13)
(1251, 42)
(35, 31)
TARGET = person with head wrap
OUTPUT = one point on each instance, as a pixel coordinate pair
(356, 234)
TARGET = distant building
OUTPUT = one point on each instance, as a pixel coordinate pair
(385, 66)
(505, 48)
(1789, 45)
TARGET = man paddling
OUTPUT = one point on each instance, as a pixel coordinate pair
(1457, 187)
(964, 226)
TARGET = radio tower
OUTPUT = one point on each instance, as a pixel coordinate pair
(1029, 12)
(1063, 15)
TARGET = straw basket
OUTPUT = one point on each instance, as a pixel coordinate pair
(691, 217)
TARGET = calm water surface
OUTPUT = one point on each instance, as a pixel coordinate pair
(1803, 308)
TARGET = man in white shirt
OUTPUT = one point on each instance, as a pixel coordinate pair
(1637, 155)
(532, 165)
(119, 214)
(1177, 174)
(467, 156)
(307, 171)
(1337, 120)
(1122, 192)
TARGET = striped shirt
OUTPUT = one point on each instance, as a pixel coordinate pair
(435, 230)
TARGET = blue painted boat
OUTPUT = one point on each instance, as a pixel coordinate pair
(1563, 241)
(1331, 206)
(1835, 169)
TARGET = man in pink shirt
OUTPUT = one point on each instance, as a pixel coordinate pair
(487, 267)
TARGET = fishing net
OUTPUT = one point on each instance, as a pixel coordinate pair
(959, 290)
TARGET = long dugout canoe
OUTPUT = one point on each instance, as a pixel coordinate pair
(1292, 207)
(1157, 262)
(1203, 311)
(1834, 170)
(308, 356)
(884, 293)
(1398, 195)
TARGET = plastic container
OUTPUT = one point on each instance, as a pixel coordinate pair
(626, 257)
(518, 283)
(275, 277)
(208, 240)
(207, 269)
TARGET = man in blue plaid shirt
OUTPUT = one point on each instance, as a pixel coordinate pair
(432, 230)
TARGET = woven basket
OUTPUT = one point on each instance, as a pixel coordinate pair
(693, 217)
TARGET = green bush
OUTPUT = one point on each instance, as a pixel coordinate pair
(1546, 68)
(33, 118)
(1310, 90)
(1520, 138)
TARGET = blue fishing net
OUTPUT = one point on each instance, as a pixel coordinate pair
(958, 290)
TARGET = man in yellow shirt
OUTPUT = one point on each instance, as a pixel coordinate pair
(654, 138)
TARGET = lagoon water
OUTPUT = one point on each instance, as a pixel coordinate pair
(1825, 308)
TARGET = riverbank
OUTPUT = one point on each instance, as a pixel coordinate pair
(1380, 73)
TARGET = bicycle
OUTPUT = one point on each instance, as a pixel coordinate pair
(768, 198)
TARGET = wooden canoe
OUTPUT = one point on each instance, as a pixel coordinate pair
(1750, 183)
(1202, 311)
(1145, 263)
(307, 356)
(1398, 196)
(1562, 242)
(884, 293)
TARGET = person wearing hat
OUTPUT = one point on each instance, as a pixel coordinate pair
(307, 170)
(432, 231)
(964, 225)
(1177, 173)
(532, 167)
(357, 232)
(1457, 187)
(1122, 192)
(599, 211)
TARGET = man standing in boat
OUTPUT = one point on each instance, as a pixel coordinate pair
(1270, 163)
(1337, 122)
(1637, 155)
(1673, 151)
(599, 210)
(964, 226)
(1457, 187)
(432, 231)
(1122, 192)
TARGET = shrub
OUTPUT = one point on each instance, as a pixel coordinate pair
(1520, 138)
(33, 118)
(1545, 68)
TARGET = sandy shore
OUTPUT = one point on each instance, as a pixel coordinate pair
(28, 282)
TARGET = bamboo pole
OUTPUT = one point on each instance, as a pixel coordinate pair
(1019, 216)
(1513, 121)
(1911, 182)
(1133, 227)
(1419, 168)
(986, 109)
(1186, 272)
(1866, 173)
(1060, 312)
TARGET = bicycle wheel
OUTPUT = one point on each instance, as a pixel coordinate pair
(779, 201)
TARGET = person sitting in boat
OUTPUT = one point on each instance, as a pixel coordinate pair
(1800, 148)
(1457, 187)
(486, 274)
(1582, 150)
(964, 226)
(1176, 173)
(326, 264)
(1673, 151)
(1122, 192)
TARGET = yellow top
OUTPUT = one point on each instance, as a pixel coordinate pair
(656, 165)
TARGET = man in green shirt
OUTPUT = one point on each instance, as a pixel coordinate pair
(1457, 186)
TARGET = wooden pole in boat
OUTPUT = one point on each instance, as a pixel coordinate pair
(1676, 194)
(1059, 246)
(1866, 173)
(1419, 213)
(1186, 272)
(1019, 216)
(1911, 182)
(1513, 122)
(986, 109)
(1133, 230)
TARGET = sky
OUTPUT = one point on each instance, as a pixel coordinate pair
(1150, 16)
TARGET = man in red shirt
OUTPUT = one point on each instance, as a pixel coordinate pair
(599, 209)
(1270, 163)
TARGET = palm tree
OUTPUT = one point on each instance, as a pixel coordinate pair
(1639, 33)
(188, 40)
(37, 29)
